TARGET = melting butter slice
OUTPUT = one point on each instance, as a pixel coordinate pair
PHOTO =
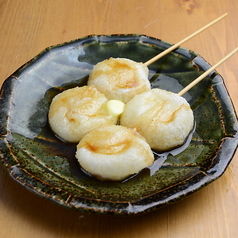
(115, 107)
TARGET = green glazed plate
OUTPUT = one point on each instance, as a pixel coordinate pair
(41, 162)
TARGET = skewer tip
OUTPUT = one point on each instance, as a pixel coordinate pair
(184, 40)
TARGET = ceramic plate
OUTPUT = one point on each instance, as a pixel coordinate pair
(38, 160)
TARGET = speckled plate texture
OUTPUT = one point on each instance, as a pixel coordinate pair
(38, 160)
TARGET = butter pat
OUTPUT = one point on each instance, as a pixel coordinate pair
(115, 107)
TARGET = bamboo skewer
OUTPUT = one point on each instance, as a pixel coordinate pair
(173, 47)
(197, 80)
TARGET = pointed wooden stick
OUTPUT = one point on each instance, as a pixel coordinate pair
(206, 73)
(184, 40)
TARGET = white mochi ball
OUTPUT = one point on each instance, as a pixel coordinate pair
(113, 153)
(120, 78)
(164, 118)
(76, 111)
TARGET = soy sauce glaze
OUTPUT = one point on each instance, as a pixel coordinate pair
(160, 158)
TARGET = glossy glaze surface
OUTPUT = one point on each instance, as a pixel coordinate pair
(37, 159)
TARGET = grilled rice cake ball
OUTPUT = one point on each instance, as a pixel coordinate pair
(120, 78)
(76, 111)
(164, 118)
(113, 153)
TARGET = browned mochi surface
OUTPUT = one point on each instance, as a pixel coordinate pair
(113, 152)
(120, 78)
(76, 111)
(164, 118)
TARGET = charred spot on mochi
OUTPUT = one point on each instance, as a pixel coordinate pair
(122, 74)
(64, 100)
(167, 116)
(72, 120)
(106, 143)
